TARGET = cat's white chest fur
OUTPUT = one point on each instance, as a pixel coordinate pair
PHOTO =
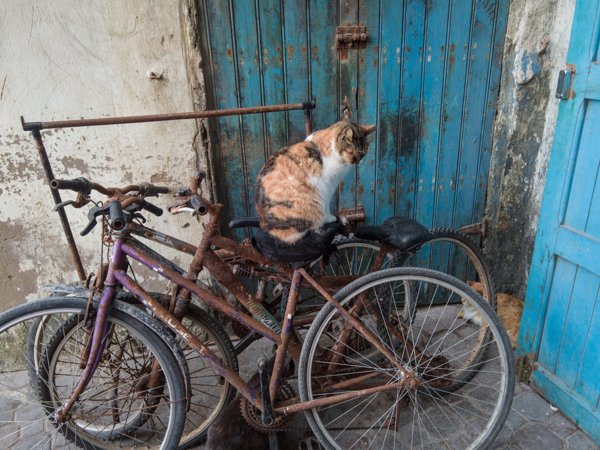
(334, 168)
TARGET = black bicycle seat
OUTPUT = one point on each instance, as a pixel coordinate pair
(307, 249)
(401, 233)
(242, 222)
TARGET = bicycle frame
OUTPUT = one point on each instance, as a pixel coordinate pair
(117, 275)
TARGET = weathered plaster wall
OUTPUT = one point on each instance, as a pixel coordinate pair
(73, 59)
(536, 45)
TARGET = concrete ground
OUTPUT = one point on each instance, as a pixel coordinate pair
(533, 423)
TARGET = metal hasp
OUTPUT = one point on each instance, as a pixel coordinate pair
(351, 36)
(565, 81)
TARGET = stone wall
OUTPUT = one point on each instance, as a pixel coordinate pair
(537, 40)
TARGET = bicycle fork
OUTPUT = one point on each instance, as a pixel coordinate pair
(98, 341)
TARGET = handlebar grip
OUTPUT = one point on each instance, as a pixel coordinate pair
(198, 205)
(153, 209)
(80, 185)
(149, 190)
(116, 220)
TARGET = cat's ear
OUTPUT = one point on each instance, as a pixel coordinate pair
(367, 129)
(347, 134)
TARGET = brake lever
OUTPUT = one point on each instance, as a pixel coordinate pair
(93, 213)
(79, 202)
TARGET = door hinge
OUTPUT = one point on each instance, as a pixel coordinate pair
(351, 36)
(565, 81)
(524, 368)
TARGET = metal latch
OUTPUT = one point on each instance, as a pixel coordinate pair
(565, 80)
(351, 36)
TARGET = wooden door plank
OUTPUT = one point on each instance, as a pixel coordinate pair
(348, 70)
(588, 381)
(411, 106)
(368, 85)
(433, 86)
(323, 64)
(296, 64)
(388, 143)
(558, 305)
(229, 161)
(585, 174)
(272, 45)
(477, 81)
(577, 327)
(248, 52)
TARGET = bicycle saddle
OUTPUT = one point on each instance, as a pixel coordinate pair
(242, 222)
(312, 246)
(401, 233)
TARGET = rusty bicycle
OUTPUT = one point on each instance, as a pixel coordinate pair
(366, 372)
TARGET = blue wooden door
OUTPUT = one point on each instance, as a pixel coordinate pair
(560, 329)
(428, 78)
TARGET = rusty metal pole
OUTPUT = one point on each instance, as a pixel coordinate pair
(37, 136)
(35, 128)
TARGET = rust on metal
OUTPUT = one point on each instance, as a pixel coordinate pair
(28, 126)
(98, 341)
(479, 228)
(367, 334)
(174, 324)
(353, 215)
(287, 330)
(351, 36)
(162, 238)
(208, 297)
(324, 401)
(57, 201)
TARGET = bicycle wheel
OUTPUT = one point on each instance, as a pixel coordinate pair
(452, 252)
(428, 413)
(114, 402)
(352, 257)
(210, 393)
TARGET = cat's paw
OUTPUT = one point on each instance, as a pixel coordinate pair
(470, 314)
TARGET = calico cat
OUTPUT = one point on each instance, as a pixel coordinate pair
(295, 186)
(508, 308)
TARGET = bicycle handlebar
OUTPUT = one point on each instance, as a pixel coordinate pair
(84, 186)
(123, 201)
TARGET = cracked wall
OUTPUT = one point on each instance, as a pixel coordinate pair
(537, 40)
(75, 59)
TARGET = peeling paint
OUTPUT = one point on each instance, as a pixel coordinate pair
(98, 66)
(535, 50)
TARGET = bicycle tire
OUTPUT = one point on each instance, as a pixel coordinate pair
(203, 407)
(200, 417)
(42, 329)
(463, 242)
(480, 405)
(441, 245)
(26, 414)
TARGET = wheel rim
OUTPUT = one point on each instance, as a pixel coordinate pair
(338, 426)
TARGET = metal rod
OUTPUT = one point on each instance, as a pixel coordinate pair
(287, 328)
(338, 398)
(205, 353)
(28, 126)
(357, 324)
(37, 136)
(207, 296)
